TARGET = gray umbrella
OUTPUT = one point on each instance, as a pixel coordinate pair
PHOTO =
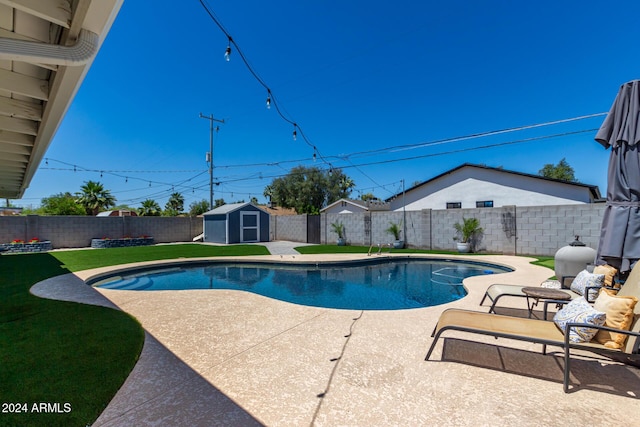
(620, 234)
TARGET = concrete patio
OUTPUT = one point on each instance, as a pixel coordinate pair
(236, 358)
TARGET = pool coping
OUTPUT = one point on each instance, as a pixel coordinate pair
(379, 371)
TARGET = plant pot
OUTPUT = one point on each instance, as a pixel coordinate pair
(464, 248)
(398, 244)
(341, 241)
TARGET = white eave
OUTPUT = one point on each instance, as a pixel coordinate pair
(46, 49)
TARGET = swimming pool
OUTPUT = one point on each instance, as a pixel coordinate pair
(380, 285)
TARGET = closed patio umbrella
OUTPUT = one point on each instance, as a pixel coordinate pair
(620, 233)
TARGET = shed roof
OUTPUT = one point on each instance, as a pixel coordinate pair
(231, 207)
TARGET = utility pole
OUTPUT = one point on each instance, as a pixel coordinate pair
(210, 153)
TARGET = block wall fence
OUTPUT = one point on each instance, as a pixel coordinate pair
(522, 230)
(77, 231)
(528, 230)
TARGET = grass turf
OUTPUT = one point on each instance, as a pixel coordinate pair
(61, 353)
(334, 249)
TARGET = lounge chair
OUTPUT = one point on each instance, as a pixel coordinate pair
(497, 291)
(546, 332)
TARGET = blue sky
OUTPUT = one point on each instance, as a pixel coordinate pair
(358, 77)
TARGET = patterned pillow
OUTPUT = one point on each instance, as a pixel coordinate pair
(579, 311)
(551, 284)
(585, 279)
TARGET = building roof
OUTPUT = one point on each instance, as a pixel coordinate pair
(593, 189)
(368, 205)
(278, 210)
(46, 49)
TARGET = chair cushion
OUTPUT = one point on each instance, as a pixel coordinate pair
(608, 271)
(585, 279)
(619, 310)
(579, 311)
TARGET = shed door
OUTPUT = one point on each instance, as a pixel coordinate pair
(249, 227)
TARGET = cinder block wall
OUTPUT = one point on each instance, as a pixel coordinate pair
(532, 230)
(289, 227)
(77, 231)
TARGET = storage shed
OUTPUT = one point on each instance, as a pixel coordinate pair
(236, 223)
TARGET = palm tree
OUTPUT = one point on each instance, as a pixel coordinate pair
(149, 208)
(175, 205)
(94, 198)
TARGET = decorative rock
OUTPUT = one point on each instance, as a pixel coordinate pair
(120, 243)
(19, 248)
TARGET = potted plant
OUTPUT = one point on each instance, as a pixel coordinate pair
(467, 231)
(338, 228)
(395, 230)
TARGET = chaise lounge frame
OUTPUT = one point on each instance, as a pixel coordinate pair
(533, 330)
(545, 332)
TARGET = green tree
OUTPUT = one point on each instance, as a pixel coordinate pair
(368, 196)
(61, 204)
(218, 202)
(149, 208)
(175, 205)
(268, 192)
(94, 198)
(307, 190)
(198, 208)
(560, 171)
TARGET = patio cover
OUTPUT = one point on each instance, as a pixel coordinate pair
(620, 234)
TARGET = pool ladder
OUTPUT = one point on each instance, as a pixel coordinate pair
(380, 246)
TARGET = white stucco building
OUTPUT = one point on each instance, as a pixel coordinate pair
(476, 186)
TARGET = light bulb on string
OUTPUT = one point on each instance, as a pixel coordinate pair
(295, 132)
(268, 100)
(227, 52)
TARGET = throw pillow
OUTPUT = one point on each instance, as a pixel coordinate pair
(551, 284)
(619, 310)
(579, 311)
(584, 280)
(609, 273)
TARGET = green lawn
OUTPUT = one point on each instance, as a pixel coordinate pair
(66, 353)
(334, 249)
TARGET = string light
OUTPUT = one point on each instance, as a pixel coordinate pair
(227, 53)
(268, 99)
(295, 132)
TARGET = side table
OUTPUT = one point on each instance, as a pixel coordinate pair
(537, 293)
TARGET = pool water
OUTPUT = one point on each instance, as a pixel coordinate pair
(385, 285)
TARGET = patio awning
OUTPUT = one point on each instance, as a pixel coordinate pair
(46, 49)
